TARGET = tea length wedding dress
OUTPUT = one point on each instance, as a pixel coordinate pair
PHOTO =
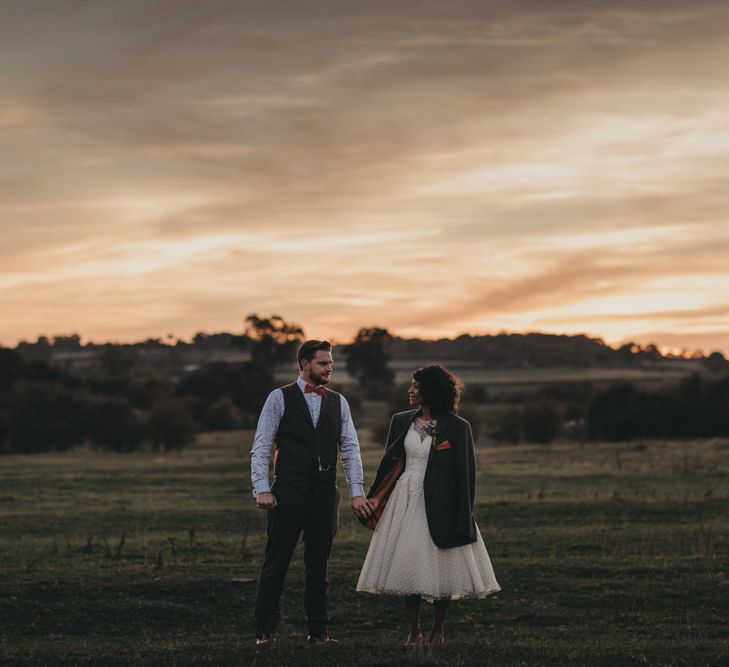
(403, 559)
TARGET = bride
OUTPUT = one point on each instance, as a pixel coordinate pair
(425, 542)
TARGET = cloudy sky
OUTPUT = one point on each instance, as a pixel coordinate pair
(431, 167)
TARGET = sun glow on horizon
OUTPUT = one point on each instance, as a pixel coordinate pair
(481, 169)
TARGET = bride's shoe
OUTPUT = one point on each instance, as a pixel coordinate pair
(414, 640)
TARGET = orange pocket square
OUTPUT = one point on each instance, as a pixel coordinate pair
(442, 445)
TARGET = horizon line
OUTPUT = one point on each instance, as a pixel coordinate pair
(171, 339)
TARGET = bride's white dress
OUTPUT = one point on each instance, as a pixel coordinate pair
(404, 560)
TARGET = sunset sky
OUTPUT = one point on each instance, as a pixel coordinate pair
(430, 167)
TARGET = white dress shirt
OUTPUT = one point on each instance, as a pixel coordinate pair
(268, 423)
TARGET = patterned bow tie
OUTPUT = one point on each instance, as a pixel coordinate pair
(319, 390)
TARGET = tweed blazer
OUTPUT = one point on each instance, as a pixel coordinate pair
(450, 477)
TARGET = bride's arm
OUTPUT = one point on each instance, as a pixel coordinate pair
(388, 483)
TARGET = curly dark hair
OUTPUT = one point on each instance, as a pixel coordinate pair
(440, 389)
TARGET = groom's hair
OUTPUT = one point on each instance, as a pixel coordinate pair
(309, 349)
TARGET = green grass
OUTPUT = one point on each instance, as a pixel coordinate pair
(607, 555)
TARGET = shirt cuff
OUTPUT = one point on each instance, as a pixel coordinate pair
(262, 488)
(356, 490)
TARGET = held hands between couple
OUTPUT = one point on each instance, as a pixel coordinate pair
(361, 506)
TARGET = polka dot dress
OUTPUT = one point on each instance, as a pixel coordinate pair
(404, 560)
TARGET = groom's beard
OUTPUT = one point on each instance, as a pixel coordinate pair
(318, 379)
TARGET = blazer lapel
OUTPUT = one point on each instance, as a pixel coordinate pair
(402, 427)
(441, 431)
(394, 451)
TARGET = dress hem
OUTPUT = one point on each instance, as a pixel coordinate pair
(428, 597)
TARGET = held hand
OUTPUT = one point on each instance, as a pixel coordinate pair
(266, 501)
(361, 507)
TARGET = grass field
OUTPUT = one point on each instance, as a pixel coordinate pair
(607, 555)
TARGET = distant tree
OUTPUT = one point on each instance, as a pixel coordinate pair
(151, 344)
(40, 350)
(246, 384)
(222, 415)
(144, 391)
(541, 422)
(218, 341)
(507, 425)
(11, 367)
(112, 424)
(169, 425)
(616, 413)
(716, 362)
(720, 393)
(40, 370)
(367, 361)
(67, 343)
(475, 393)
(116, 360)
(273, 340)
(396, 402)
(694, 407)
(628, 351)
(4, 427)
(651, 352)
(43, 416)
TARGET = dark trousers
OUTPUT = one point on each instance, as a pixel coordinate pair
(312, 509)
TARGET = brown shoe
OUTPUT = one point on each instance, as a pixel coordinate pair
(321, 639)
(265, 639)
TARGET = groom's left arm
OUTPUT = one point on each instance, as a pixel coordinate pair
(352, 462)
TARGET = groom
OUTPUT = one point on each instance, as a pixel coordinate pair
(308, 423)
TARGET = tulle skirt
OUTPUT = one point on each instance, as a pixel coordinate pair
(403, 559)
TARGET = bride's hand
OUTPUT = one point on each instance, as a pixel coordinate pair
(373, 504)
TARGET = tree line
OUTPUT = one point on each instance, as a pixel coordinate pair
(504, 350)
(123, 405)
(697, 406)
(44, 408)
